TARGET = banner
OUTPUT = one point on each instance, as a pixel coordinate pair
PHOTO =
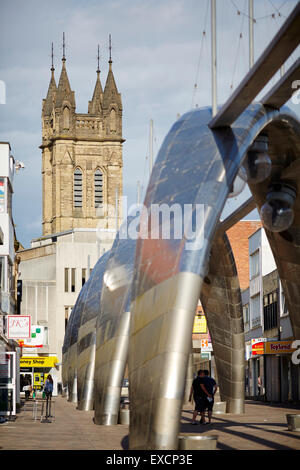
(18, 326)
(37, 361)
(279, 347)
(200, 324)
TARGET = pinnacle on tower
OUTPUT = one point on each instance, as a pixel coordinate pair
(52, 90)
(111, 94)
(64, 92)
(95, 104)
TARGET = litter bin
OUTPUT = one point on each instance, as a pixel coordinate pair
(124, 416)
(293, 421)
(197, 442)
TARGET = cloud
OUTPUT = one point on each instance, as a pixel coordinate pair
(156, 53)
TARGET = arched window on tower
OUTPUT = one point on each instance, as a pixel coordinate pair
(113, 120)
(77, 195)
(98, 184)
(66, 118)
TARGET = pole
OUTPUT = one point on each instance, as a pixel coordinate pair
(251, 35)
(214, 57)
(151, 147)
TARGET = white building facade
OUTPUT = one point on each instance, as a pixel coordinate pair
(269, 376)
(53, 272)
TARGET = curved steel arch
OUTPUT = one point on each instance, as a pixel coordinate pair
(112, 328)
(86, 341)
(221, 300)
(196, 165)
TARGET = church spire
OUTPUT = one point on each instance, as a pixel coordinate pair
(111, 94)
(95, 104)
(64, 92)
(52, 89)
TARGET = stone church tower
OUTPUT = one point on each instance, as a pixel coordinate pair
(81, 156)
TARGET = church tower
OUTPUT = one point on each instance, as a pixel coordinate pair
(81, 155)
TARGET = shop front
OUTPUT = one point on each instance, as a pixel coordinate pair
(34, 371)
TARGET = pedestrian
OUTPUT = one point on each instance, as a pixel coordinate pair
(209, 388)
(199, 397)
(259, 385)
(48, 386)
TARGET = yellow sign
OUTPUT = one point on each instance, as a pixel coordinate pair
(278, 347)
(37, 361)
(200, 325)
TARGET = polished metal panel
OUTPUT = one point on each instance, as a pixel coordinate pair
(283, 90)
(86, 341)
(196, 165)
(278, 51)
(222, 304)
(112, 328)
(71, 357)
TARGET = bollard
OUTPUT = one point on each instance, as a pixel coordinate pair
(124, 416)
(196, 442)
(293, 422)
(219, 408)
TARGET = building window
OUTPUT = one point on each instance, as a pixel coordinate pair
(83, 277)
(68, 311)
(77, 188)
(254, 265)
(73, 280)
(246, 316)
(270, 311)
(113, 121)
(66, 118)
(98, 184)
(255, 311)
(66, 279)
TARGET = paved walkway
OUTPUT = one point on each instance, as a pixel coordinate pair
(262, 427)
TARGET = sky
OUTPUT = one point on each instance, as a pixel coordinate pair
(160, 51)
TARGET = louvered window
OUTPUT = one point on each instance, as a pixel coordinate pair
(77, 188)
(98, 188)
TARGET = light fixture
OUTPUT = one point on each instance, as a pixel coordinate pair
(257, 165)
(237, 186)
(277, 213)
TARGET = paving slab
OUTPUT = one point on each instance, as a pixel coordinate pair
(262, 427)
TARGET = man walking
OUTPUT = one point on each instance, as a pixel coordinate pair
(209, 388)
(199, 395)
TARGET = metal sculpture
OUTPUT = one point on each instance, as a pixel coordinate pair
(196, 169)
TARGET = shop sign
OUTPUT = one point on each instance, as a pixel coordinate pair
(18, 326)
(205, 356)
(200, 324)
(258, 349)
(279, 347)
(206, 346)
(37, 361)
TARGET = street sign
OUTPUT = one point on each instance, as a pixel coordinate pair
(18, 326)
